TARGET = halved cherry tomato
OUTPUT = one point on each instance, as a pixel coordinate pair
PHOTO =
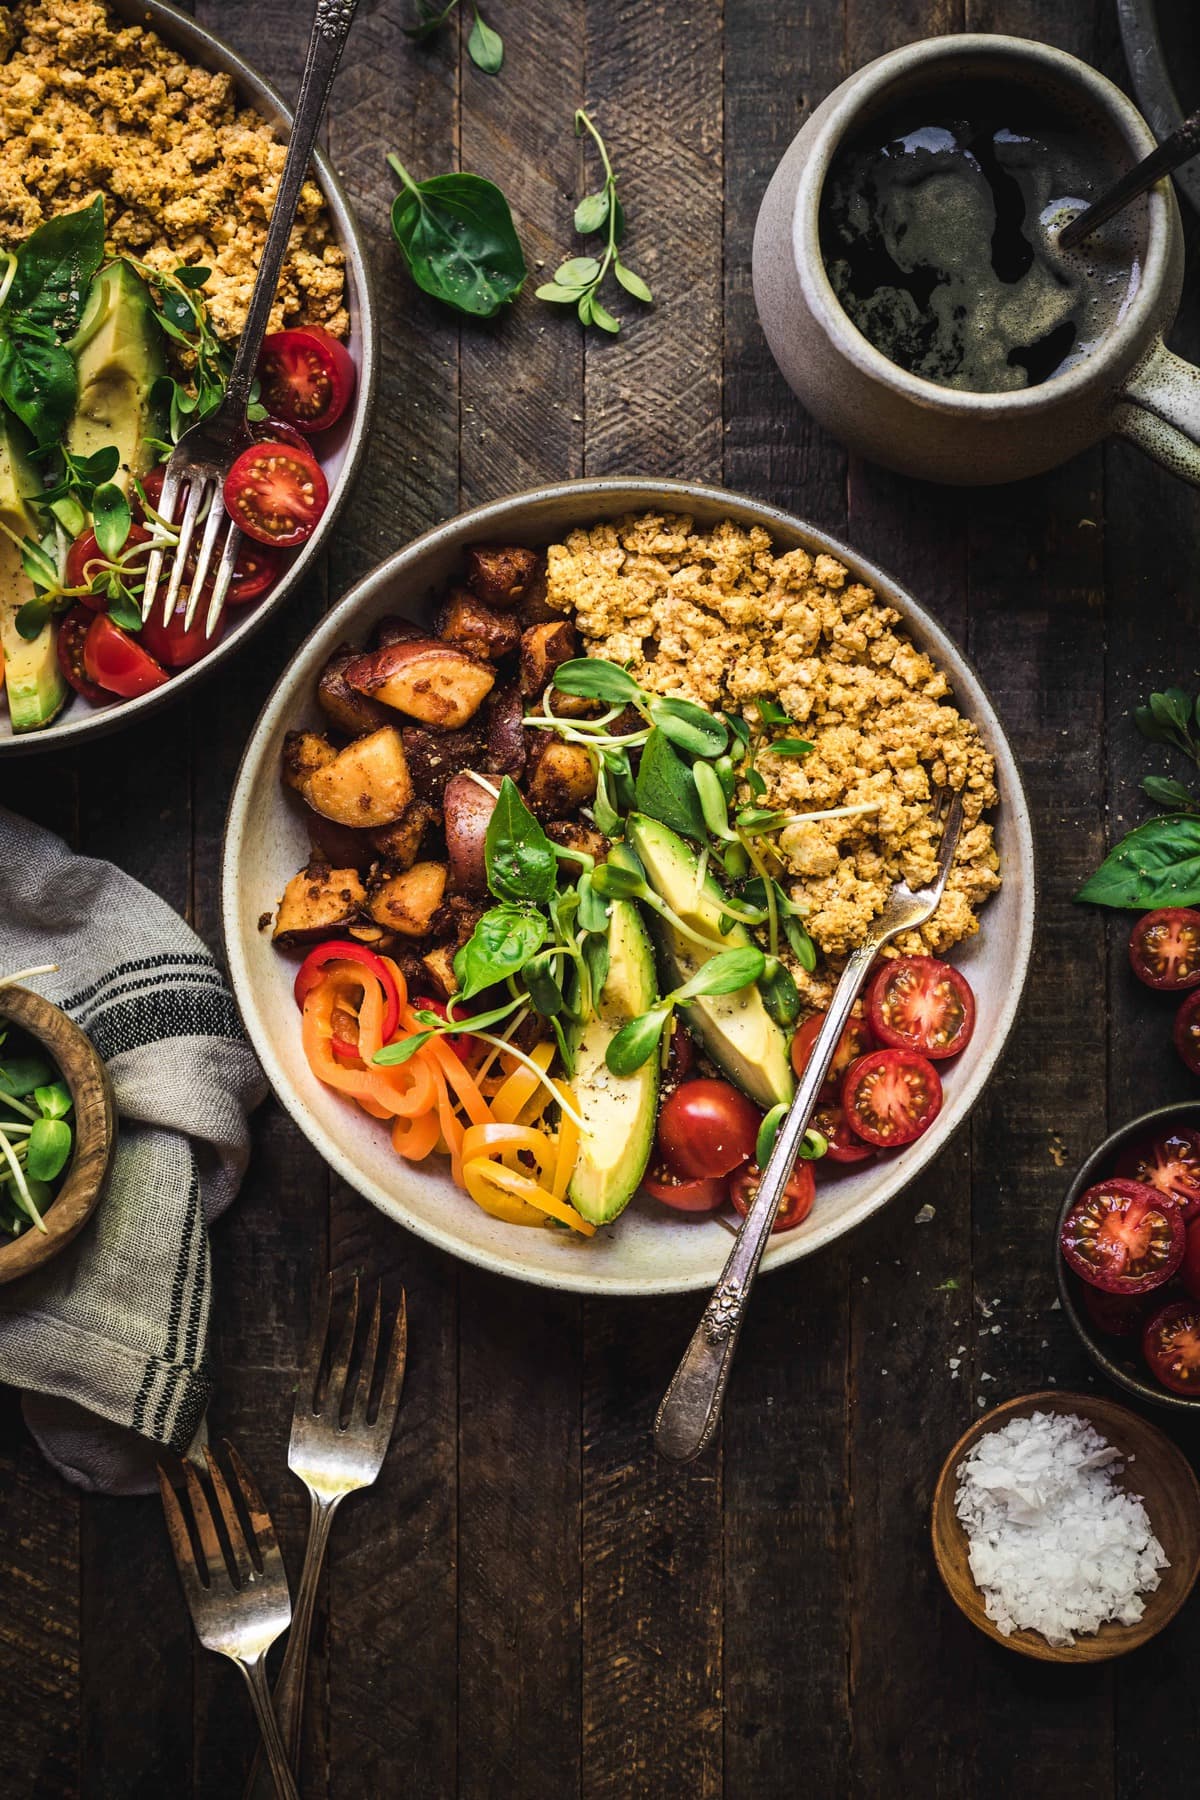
(707, 1127)
(854, 1042)
(116, 661)
(1164, 948)
(85, 550)
(681, 1057)
(1186, 1032)
(278, 431)
(311, 973)
(798, 1195)
(1171, 1346)
(1189, 1268)
(919, 1003)
(693, 1196)
(891, 1097)
(258, 566)
(1118, 1315)
(829, 1118)
(306, 377)
(1123, 1236)
(1170, 1163)
(174, 646)
(276, 494)
(72, 635)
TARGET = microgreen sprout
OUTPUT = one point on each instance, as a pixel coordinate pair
(725, 973)
(36, 1139)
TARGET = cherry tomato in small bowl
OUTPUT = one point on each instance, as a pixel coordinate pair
(305, 377)
(798, 1195)
(1170, 1163)
(1186, 1032)
(276, 494)
(1123, 1236)
(702, 1194)
(114, 660)
(1171, 1346)
(71, 638)
(707, 1128)
(855, 1041)
(918, 1003)
(1117, 1315)
(1164, 948)
(891, 1096)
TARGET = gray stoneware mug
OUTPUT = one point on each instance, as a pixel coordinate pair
(1129, 384)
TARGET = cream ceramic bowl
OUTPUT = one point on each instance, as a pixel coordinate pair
(649, 1250)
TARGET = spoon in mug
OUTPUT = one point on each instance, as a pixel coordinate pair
(1180, 147)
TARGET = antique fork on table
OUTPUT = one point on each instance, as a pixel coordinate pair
(205, 453)
(691, 1405)
(240, 1604)
(332, 1459)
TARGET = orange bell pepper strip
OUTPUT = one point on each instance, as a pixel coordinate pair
(492, 1161)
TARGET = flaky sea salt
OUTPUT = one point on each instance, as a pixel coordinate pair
(1056, 1545)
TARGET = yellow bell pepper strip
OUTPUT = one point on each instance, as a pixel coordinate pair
(493, 1166)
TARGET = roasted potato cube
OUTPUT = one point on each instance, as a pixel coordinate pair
(466, 622)
(575, 834)
(534, 608)
(506, 748)
(468, 809)
(317, 901)
(399, 844)
(563, 780)
(438, 964)
(392, 629)
(365, 931)
(457, 918)
(407, 902)
(499, 574)
(342, 846)
(543, 647)
(366, 784)
(426, 679)
(347, 711)
(304, 752)
(434, 756)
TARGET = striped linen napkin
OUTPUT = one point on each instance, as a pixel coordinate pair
(108, 1340)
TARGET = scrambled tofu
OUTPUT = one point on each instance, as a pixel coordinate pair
(90, 105)
(718, 618)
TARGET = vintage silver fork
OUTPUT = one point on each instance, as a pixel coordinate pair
(239, 1602)
(691, 1405)
(204, 454)
(333, 1459)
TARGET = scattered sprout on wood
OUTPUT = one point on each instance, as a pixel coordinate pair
(456, 234)
(577, 281)
(1171, 718)
(485, 46)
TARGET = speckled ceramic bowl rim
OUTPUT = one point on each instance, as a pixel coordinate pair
(1145, 1125)
(488, 523)
(210, 51)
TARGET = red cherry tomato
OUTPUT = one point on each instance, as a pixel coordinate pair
(854, 1042)
(918, 1003)
(306, 377)
(692, 1196)
(276, 494)
(1171, 1346)
(1189, 1268)
(1124, 1237)
(891, 1097)
(173, 645)
(278, 431)
(1170, 1163)
(681, 1057)
(707, 1127)
(152, 487)
(72, 635)
(258, 566)
(829, 1118)
(1118, 1315)
(1186, 1032)
(1164, 948)
(116, 661)
(798, 1195)
(86, 550)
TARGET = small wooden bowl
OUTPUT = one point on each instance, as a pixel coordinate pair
(1160, 1473)
(94, 1123)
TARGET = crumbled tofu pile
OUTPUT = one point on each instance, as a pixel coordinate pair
(89, 105)
(1056, 1545)
(718, 618)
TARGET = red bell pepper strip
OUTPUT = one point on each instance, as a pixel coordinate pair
(312, 972)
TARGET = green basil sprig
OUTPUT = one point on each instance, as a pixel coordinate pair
(521, 860)
(1155, 864)
(501, 944)
(457, 236)
(665, 787)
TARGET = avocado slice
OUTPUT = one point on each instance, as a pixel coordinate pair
(118, 357)
(735, 1029)
(619, 1110)
(32, 678)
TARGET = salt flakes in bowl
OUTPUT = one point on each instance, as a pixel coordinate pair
(1056, 1545)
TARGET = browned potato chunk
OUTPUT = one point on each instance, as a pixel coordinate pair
(534, 608)
(304, 752)
(468, 808)
(317, 901)
(563, 780)
(366, 784)
(506, 748)
(399, 844)
(341, 846)
(426, 679)
(574, 834)
(543, 647)
(458, 917)
(481, 630)
(499, 574)
(438, 964)
(407, 902)
(434, 756)
(392, 629)
(374, 936)
(346, 711)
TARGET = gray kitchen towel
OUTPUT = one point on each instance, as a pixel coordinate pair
(114, 1329)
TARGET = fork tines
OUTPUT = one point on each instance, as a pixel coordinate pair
(222, 1562)
(328, 1400)
(203, 488)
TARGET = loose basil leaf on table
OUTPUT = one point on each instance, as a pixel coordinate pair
(1164, 791)
(521, 860)
(457, 235)
(500, 945)
(665, 788)
(1156, 864)
(485, 46)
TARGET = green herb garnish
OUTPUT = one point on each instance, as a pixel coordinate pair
(458, 239)
(577, 281)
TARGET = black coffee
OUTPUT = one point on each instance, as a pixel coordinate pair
(939, 233)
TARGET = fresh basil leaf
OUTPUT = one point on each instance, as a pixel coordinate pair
(49, 1147)
(540, 976)
(586, 301)
(558, 296)
(665, 788)
(592, 213)
(591, 678)
(457, 235)
(31, 618)
(633, 284)
(577, 271)
(54, 1100)
(485, 47)
(1149, 726)
(521, 864)
(192, 275)
(768, 1131)
(790, 747)
(690, 726)
(1165, 792)
(636, 1042)
(37, 378)
(500, 945)
(111, 519)
(401, 1050)
(56, 266)
(725, 973)
(1156, 864)
(780, 996)
(21, 1075)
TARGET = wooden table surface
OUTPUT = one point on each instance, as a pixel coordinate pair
(529, 1604)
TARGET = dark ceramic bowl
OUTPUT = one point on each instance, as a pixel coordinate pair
(1119, 1358)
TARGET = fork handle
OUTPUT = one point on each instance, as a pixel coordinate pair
(331, 27)
(256, 1680)
(691, 1406)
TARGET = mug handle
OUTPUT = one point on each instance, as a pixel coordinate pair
(1159, 411)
